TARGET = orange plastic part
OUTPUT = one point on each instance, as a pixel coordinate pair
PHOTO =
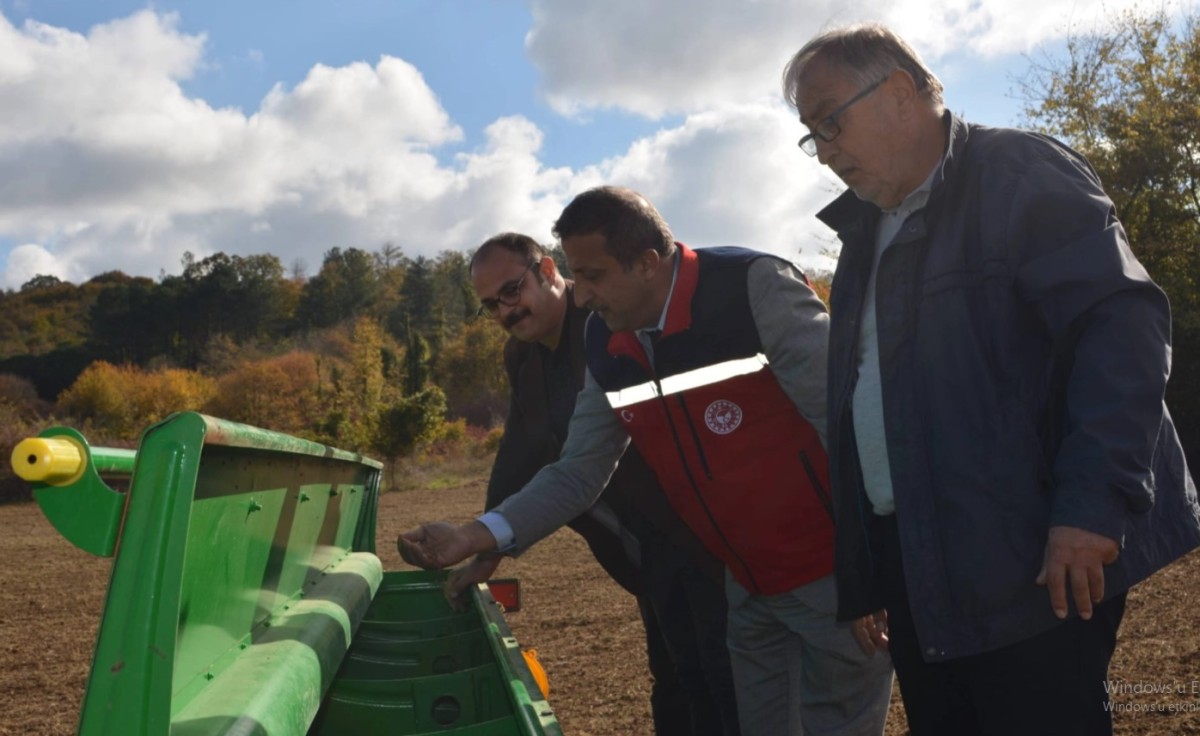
(539, 673)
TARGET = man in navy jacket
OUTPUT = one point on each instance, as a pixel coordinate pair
(1003, 465)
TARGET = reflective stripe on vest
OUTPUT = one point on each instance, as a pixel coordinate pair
(682, 382)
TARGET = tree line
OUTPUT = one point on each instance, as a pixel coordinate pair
(376, 352)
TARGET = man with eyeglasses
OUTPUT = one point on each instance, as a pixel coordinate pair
(1003, 465)
(711, 363)
(631, 530)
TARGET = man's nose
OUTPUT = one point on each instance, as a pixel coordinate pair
(825, 150)
(583, 295)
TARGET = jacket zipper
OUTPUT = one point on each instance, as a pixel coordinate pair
(696, 489)
(818, 489)
(695, 437)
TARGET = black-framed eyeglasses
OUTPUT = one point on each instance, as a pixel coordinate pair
(509, 294)
(827, 128)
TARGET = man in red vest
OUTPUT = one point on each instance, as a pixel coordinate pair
(713, 363)
(631, 529)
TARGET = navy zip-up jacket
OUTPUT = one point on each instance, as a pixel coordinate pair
(1024, 355)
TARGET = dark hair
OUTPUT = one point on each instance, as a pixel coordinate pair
(629, 223)
(516, 243)
(867, 52)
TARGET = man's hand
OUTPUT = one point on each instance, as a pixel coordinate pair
(870, 632)
(479, 570)
(1076, 556)
(438, 545)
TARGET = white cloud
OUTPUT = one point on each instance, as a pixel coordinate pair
(731, 177)
(110, 164)
(672, 56)
(31, 259)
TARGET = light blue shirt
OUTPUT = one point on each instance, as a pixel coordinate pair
(869, 430)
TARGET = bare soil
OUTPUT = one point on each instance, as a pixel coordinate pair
(585, 629)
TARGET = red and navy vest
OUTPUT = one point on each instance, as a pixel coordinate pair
(737, 460)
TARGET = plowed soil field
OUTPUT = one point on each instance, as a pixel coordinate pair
(585, 629)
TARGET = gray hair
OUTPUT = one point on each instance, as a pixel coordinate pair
(867, 53)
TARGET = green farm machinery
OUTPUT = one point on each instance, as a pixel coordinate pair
(246, 597)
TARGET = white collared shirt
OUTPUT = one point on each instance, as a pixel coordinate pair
(643, 334)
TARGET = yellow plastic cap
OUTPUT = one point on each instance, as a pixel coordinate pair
(50, 460)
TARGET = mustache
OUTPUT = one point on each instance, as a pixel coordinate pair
(515, 317)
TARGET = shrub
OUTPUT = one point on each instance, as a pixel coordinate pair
(276, 393)
(122, 400)
(21, 396)
(410, 421)
(491, 442)
(451, 438)
(13, 429)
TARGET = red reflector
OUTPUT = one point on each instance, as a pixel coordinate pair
(507, 592)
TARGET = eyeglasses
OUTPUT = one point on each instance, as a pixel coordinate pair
(827, 128)
(509, 295)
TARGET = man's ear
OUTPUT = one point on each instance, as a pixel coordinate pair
(548, 268)
(647, 262)
(903, 89)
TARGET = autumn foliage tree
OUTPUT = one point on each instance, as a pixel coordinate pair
(408, 422)
(123, 400)
(278, 393)
(471, 371)
(352, 390)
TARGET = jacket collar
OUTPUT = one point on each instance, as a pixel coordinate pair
(679, 308)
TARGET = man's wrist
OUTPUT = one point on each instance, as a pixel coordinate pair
(480, 538)
(500, 530)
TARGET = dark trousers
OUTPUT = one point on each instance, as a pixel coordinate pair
(684, 612)
(1052, 683)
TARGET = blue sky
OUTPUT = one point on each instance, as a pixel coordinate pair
(131, 132)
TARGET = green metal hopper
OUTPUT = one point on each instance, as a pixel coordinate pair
(246, 597)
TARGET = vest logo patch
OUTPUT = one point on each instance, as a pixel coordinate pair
(627, 415)
(722, 416)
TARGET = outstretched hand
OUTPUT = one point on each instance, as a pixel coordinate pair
(438, 545)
